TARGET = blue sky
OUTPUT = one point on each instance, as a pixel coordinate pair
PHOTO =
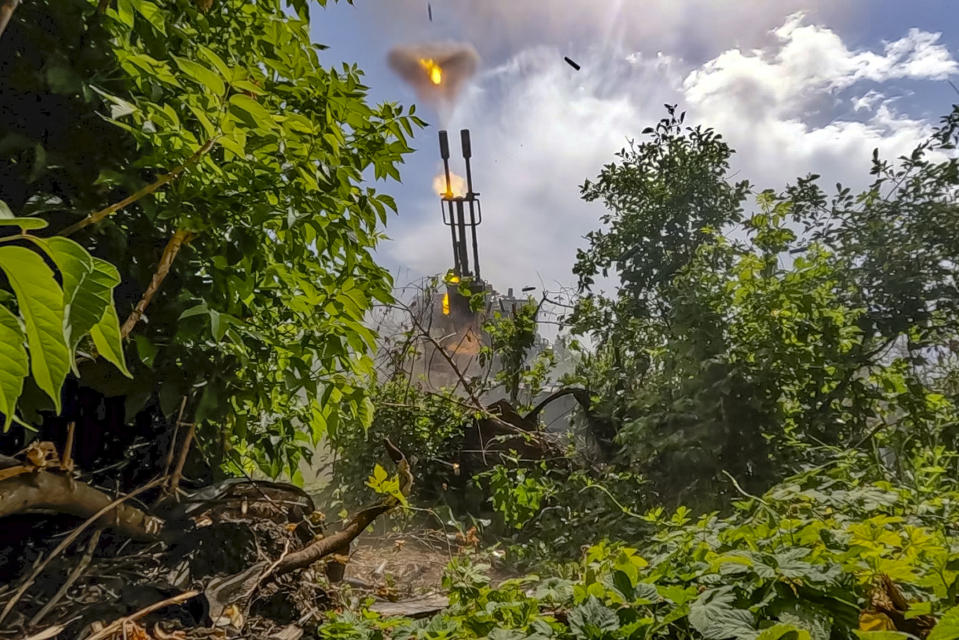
(795, 87)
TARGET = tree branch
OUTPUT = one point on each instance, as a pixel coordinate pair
(7, 7)
(93, 218)
(172, 248)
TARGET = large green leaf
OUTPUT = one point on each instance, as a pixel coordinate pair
(592, 620)
(40, 300)
(947, 627)
(14, 364)
(106, 332)
(714, 616)
(75, 266)
(209, 79)
(23, 223)
(88, 285)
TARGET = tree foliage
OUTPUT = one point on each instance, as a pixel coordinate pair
(221, 166)
(740, 341)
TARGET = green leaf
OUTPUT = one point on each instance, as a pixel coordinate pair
(146, 350)
(917, 609)
(215, 60)
(259, 117)
(202, 75)
(14, 364)
(40, 300)
(106, 332)
(24, 223)
(592, 620)
(152, 13)
(947, 628)
(805, 615)
(713, 615)
(124, 12)
(209, 405)
(783, 632)
(235, 142)
(87, 286)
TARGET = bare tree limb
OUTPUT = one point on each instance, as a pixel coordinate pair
(356, 525)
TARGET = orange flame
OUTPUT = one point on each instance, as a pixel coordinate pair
(457, 185)
(433, 70)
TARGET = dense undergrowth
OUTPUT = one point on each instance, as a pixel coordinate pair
(834, 552)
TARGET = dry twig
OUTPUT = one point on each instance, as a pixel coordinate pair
(73, 577)
(120, 624)
(170, 251)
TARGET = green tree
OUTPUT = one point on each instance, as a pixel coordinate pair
(229, 189)
(748, 356)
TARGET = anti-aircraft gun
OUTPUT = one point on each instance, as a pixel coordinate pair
(464, 301)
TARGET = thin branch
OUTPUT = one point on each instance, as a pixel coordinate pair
(742, 491)
(73, 577)
(120, 625)
(176, 432)
(181, 461)
(177, 240)
(93, 218)
(7, 7)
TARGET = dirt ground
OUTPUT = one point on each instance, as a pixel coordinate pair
(408, 564)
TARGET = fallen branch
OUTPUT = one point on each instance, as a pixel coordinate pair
(229, 590)
(46, 490)
(172, 248)
(120, 624)
(148, 525)
(357, 524)
(93, 218)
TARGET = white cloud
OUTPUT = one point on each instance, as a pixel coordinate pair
(540, 128)
(807, 61)
(764, 101)
(868, 101)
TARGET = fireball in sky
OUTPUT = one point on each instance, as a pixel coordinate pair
(437, 71)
